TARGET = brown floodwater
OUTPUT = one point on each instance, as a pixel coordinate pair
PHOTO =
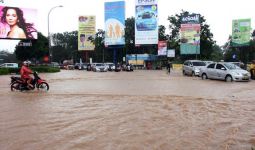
(128, 111)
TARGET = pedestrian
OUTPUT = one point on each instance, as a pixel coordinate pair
(168, 67)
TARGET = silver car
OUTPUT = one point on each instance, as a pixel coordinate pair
(224, 71)
(192, 67)
(100, 67)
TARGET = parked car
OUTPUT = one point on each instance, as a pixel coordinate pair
(99, 67)
(55, 64)
(207, 62)
(225, 71)
(116, 68)
(192, 67)
(9, 65)
(80, 66)
(239, 64)
(128, 67)
(108, 65)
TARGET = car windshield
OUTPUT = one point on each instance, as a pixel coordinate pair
(99, 65)
(197, 63)
(231, 66)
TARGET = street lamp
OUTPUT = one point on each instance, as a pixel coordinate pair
(49, 39)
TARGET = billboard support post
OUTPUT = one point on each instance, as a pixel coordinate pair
(49, 39)
(115, 57)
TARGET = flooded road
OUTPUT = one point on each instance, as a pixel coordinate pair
(128, 111)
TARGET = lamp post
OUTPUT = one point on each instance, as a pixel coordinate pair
(49, 39)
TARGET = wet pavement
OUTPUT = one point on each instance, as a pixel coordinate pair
(128, 111)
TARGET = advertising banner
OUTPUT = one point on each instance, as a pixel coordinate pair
(22, 21)
(115, 23)
(190, 34)
(146, 22)
(87, 28)
(241, 32)
(171, 53)
(162, 48)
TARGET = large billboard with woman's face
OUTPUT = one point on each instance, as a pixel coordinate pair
(17, 23)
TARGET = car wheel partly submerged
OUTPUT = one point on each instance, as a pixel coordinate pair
(228, 78)
(204, 76)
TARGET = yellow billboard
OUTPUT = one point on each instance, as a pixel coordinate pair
(87, 28)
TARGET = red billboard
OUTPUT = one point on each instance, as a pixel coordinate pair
(17, 23)
(162, 48)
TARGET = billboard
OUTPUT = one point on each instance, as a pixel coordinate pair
(87, 28)
(18, 23)
(190, 34)
(162, 48)
(171, 53)
(114, 23)
(241, 32)
(146, 22)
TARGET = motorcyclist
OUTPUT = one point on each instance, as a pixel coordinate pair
(24, 72)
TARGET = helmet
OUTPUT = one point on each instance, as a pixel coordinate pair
(26, 62)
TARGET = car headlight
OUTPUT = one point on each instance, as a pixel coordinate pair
(197, 69)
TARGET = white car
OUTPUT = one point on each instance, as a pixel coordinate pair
(224, 71)
(192, 67)
(9, 65)
(100, 67)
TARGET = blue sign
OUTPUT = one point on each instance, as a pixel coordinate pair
(147, 57)
(114, 23)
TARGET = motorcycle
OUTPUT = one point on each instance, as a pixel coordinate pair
(18, 84)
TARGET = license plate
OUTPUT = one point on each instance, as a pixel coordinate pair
(245, 78)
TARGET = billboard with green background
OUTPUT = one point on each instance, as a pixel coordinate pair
(241, 32)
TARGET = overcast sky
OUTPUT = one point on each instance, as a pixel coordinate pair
(218, 14)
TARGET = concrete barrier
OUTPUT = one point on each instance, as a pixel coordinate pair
(177, 66)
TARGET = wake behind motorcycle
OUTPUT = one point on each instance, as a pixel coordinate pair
(18, 84)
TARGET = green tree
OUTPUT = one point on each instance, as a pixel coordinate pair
(65, 46)
(130, 35)
(36, 51)
(162, 33)
(245, 54)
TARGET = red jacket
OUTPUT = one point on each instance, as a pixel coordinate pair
(25, 71)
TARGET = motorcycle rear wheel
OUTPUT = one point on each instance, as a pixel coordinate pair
(43, 86)
(15, 86)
